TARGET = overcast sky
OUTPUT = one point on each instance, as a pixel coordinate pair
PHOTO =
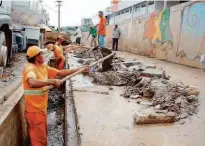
(73, 10)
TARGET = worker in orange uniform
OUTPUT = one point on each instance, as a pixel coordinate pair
(60, 58)
(59, 51)
(59, 43)
(59, 54)
(102, 29)
(36, 76)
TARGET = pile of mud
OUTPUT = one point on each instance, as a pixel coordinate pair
(88, 56)
(166, 96)
(87, 53)
(115, 78)
(56, 99)
(56, 116)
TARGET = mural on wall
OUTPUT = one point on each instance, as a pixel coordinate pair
(157, 27)
(192, 36)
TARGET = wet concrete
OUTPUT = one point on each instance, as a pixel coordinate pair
(106, 120)
(56, 113)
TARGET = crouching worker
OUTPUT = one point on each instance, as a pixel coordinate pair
(36, 76)
(59, 54)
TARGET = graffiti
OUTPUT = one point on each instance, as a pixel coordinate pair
(192, 33)
(157, 27)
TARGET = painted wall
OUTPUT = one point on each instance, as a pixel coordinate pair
(176, 34)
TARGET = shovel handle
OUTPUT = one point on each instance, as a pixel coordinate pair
(79, 71)
(102, 59)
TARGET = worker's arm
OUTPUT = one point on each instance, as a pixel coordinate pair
(73, 48)
(66, 72)
(35, 83)
(69, 46)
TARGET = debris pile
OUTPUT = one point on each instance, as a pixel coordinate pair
(170, 101)
(167, 97)
(115, 78)
(87, 53)
(56, 99)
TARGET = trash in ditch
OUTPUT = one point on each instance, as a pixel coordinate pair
(56, 103)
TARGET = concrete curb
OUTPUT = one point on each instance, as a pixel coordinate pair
(72, 135)
(9, 104)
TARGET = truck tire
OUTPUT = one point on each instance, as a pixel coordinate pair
(3, 50)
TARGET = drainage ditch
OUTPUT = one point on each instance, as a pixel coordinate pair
(56, 117)
(63, 129)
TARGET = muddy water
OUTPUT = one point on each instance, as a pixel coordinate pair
(106, 120)
(56, 117)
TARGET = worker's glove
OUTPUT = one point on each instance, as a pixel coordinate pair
(57, 83)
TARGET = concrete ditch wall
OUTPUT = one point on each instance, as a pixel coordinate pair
(13, 130)
(176, 34)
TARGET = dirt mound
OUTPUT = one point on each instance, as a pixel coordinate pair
(167, 96)
(56, 99)
(113, 78)
(87, 53)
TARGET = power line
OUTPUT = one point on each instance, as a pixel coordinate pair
(59, 2)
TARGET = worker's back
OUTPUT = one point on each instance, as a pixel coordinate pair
(39, 103)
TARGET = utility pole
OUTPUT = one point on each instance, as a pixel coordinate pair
(59, 11)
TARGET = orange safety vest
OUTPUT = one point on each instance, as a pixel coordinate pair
(102, 26)
(36, 100)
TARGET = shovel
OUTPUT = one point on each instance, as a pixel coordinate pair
(80, 71)
(107, 64)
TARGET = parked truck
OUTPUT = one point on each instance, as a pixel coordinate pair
(6, 25)
(33, 35)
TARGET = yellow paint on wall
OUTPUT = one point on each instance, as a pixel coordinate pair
(157, 35)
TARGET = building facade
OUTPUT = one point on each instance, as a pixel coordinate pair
(125, 10)
(86, 22)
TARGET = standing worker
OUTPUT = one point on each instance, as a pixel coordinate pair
(102, 29)
(36, 76)
(93, 32)
(115, 37)
(78, 35)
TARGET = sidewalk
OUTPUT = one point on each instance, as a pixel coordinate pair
(106, 120)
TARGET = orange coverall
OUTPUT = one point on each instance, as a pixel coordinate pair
(60, 59)
(36, 103)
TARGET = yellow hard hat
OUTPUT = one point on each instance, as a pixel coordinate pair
(33, 51)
